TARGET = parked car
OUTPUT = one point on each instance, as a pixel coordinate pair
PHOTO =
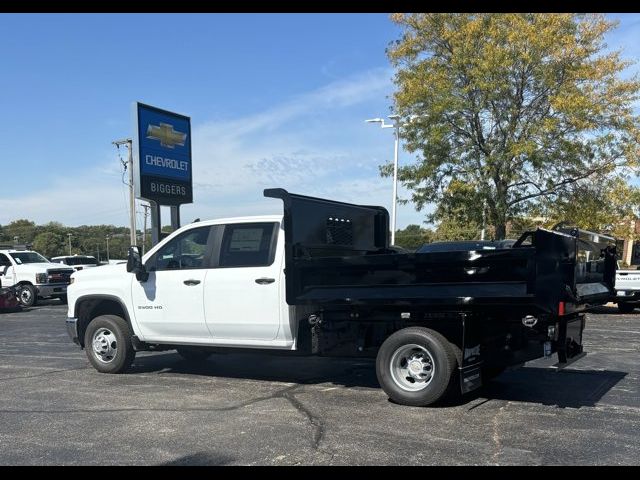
(8, 299)
(33, 276)
(627, 289)
(78, 262)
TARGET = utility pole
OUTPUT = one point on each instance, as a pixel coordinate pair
(144, 231)
(69, 235)
(107, 248)
(132, 197)
(484, 207)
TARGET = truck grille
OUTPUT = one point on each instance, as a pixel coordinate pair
(59, 276)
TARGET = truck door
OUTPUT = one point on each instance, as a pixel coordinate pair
(6, 271)
(168, 306)
(242, 292)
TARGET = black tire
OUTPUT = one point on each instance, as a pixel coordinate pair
(194, 354)
(626, 307)
(444, 365)
(115, 329)
(27, 295)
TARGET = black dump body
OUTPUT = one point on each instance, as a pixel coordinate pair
(337, 254)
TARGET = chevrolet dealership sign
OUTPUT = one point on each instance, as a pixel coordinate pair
(162, 145)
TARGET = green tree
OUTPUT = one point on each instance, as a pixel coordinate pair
(450, 229)
(413, 236)
(514, 107)
(24, 229)
(50, 244)
(608, 205)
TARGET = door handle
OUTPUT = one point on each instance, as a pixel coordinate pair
(265, 281)
(191, 283)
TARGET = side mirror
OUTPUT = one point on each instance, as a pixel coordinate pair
(134, 264)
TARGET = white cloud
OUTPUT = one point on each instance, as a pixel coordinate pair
(316, 144)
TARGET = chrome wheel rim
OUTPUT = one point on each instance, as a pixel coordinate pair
(26, 296)
(105, 345)
(412, 367)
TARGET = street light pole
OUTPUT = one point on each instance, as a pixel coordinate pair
(107, 248)
(395, 182)
(69, 235)
(396, 146)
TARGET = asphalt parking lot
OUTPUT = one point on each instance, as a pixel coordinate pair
(250, 409)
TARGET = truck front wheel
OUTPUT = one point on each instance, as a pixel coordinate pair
(107, 342)
(27, 295)
(415, 366)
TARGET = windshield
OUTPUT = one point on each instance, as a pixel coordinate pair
(28, 257)
(80, 261)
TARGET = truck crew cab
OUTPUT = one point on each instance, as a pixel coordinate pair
(322, 279)
(32, 275)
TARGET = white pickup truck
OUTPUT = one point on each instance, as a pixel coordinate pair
(33, 275)
(627, 290)
(322, 279)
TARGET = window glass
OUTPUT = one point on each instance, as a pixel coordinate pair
(28, 257)
(4, 261)
(247, 245)
(187, 251)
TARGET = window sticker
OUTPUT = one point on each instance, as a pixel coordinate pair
(246, 240)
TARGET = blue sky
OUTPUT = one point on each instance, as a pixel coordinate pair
(276, 100)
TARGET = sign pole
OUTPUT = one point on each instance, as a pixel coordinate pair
(175, 217)
(156, 226)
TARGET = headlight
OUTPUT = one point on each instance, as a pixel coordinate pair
(41, 278)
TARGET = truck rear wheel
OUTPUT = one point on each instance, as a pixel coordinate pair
(193, 354)
(107, 342)
(626, 307)
(415, 366)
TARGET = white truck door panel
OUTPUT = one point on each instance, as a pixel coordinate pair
(169, 305)
(242, 293)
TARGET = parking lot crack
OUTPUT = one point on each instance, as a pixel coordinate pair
(314, 420)
(496, 434)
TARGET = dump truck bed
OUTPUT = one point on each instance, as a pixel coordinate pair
(337, 254)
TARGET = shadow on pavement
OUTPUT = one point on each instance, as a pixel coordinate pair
(348, 372)
(565, 388)
(200, 458)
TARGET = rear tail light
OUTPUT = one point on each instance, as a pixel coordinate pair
(560, 308)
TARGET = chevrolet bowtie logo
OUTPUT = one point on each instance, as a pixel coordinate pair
(167, 136)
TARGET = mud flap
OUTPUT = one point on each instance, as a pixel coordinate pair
(470, 378)
(569, 343)
(470, 373)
